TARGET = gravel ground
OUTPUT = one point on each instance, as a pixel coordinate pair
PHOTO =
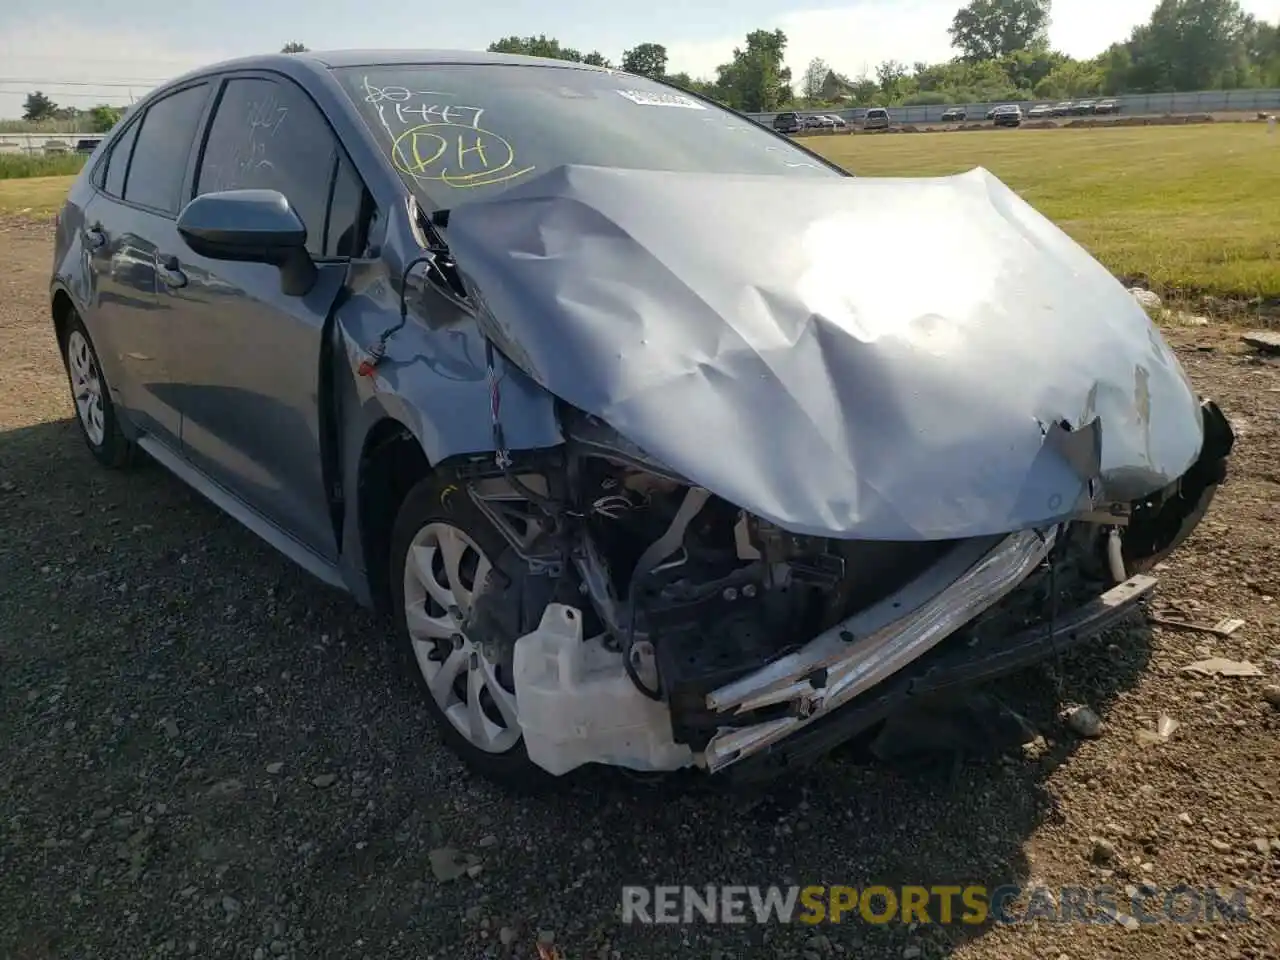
(205, 753)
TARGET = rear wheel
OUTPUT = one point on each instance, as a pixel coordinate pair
(95, 412)
(442, 551)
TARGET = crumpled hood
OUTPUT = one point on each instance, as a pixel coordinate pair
(849, 357)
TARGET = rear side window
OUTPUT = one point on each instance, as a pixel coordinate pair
(159, 163)
(268, 135)
(118, 162)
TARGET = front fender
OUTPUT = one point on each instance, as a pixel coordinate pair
(433, 378)
(432, 381)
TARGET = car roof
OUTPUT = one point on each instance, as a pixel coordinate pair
(319, 61)
(371, 57)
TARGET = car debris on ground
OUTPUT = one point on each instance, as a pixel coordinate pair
(1222, 667)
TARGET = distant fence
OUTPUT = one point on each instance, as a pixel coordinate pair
(1205, 101)
(45, 142)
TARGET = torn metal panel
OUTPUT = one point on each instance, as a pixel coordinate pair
(848, 357)
(432, 378)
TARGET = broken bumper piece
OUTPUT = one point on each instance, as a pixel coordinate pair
(873, 644)
(946, 668)
(577, 706)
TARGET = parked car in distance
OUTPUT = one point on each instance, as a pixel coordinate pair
(87, 144)
(1063, 109)
(1084, 107)
(1110, 105)
(953, 115)
(788, 122)
(836, 122)
(1007, 115)
(1040, 110)
(877, 118)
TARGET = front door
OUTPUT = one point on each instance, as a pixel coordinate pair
(246, 357)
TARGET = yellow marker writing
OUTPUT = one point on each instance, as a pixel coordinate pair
(476, 148)
(482, 157)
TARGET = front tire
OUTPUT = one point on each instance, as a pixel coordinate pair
(442, 548)
(95, 413)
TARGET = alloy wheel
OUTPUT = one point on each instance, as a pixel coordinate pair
(442, 571)
(86, 387)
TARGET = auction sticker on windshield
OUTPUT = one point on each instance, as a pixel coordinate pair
(646, 99)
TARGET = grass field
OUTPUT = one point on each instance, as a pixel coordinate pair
(33, 196)
(1191, 209)
(15, 165)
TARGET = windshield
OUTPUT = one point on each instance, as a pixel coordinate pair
(459, 132)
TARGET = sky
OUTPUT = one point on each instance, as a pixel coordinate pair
(106, 52)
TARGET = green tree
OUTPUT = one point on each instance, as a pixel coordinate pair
(539, 46)
(756, 80)
(815, 76)
(836, 87)
(892, 77)
(596, 59)
(646, 59)
(1190, 45)
(865, 92)
(990, 29)
(704, 88)
(38, 107)
(1026, 68)
(930, 77)
(1115, 63)
(1072, 79)
(1262, 47)
(102, 117)
(293, 46)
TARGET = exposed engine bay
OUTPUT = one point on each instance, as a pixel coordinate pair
(646, 623)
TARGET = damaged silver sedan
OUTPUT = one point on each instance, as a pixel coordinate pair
(665, 442)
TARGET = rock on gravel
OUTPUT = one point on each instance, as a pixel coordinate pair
(1103, 851)
(450, 864)
(1083, 721)
(1147, 298)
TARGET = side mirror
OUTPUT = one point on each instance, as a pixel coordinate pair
(252, 226)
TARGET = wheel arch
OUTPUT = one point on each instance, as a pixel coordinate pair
(391, 463)
(62, 308)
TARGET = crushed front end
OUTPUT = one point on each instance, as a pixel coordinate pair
(658, 626)
(785, 493)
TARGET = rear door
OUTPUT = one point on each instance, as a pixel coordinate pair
(139, 190)
(246, 358)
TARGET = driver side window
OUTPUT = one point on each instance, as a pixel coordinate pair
(267, 134)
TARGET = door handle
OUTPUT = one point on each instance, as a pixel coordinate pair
(95, 238)
(170, 272)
